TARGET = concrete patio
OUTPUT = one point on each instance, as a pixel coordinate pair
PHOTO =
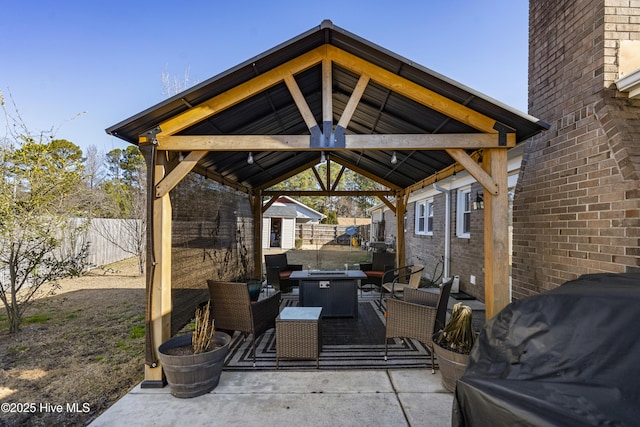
(413, 397)
(402, 397)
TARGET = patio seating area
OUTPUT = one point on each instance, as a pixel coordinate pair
(386, 395)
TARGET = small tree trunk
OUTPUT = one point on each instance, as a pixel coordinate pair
(14, 319)
(141, 262)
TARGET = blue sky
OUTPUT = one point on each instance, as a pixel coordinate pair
(82, 66)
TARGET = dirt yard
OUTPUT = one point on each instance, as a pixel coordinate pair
(78, 352)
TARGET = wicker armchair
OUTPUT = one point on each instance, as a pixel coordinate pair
(418, 316)
(234, 311)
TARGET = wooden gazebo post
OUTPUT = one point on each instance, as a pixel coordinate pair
(401, 209)
(256, 210)
(496, 233)
(492, 175)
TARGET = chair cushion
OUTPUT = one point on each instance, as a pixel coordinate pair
(284, 275)
(398, 287)
(374, 273)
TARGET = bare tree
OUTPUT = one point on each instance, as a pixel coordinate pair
(36, 175)
(125, 192)
(94, 168)
(173, 85)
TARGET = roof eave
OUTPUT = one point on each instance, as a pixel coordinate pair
(630, 83)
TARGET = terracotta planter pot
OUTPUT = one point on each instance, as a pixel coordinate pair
(192, 375)
(452, 366)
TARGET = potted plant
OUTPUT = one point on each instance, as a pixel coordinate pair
(453, 343)
(255, 287)
(192, 363)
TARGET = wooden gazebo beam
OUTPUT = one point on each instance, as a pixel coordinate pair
(462, 141)
(288, 175)
(241, 92)
(339, 193)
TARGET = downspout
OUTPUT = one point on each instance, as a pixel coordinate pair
(447, 227)
(150, 153)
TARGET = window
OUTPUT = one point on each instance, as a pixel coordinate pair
(463, 216)
(424, 217)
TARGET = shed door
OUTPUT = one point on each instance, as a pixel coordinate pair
(288, 233)
(266, 229)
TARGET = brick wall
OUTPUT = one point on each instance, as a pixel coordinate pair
(576, 207)
(467, 255)
(390, 227)
(422, 249)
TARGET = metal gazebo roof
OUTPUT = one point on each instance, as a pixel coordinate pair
(274, 111)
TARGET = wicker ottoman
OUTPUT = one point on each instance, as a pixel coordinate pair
(298, 334)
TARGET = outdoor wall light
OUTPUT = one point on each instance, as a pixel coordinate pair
(394, 158)
(479, 202)
(250, 158)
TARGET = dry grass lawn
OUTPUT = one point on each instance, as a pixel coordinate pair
(84, 346)
(82, 349)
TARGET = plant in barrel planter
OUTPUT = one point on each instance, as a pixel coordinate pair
(453, 344)
(192, 363)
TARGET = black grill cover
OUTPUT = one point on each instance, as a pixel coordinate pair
(566, 357)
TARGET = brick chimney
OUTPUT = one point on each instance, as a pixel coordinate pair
(577, 202)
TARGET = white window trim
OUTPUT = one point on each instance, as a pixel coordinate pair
(426, 203)
(460, 213)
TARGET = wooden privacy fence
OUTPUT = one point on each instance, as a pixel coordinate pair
(312, 235)
(110, 240)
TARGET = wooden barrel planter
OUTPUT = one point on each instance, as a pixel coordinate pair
(191, 375)
(452, 366)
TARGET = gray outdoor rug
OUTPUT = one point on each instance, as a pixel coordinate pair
(347, 344)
